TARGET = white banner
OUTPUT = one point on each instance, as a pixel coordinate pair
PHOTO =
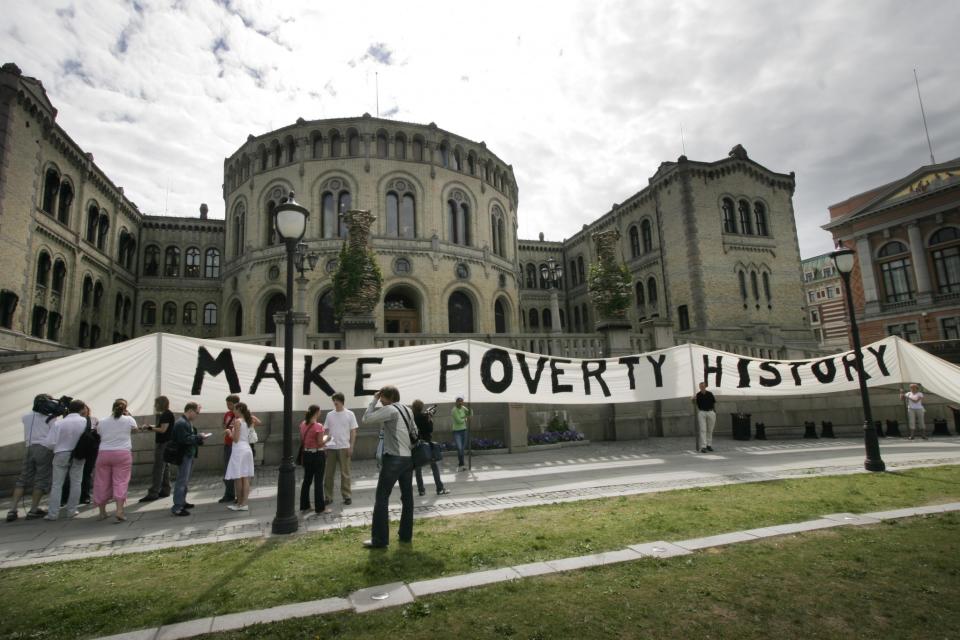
(206, 371)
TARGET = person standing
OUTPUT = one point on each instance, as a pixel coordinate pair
(341, 425)
(314, 460)
(62, 439)
(187, 440)
(915, 410)
(706, 417)
(229, 489)
(37, 463)
(162, 430)
(240, 466)
(460, 418)
(396, 424)
(424, 422)
(114, 460)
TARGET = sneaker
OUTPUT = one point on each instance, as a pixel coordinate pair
(48, 517)
(709, 448)
(12, 515)
(443, 492)
(148, 498)
(182, 512)
(347, 501)
(237, 507)
(704, 450)
(36, 514)
(368, 544)
(73, 514)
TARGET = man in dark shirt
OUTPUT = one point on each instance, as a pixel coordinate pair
(706, 417)
(187, 439)
(163, 431)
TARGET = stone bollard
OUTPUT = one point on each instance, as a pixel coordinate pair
(940, 427)
(761, 431)
(810, 430)
(893, 429)
(826, 429)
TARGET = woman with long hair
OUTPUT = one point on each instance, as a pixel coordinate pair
(313, 440)
(240, 467)
(424, 420)
(114, 460)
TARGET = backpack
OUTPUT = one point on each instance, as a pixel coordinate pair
(88, 444)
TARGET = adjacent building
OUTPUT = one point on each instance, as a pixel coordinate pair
(826, 304)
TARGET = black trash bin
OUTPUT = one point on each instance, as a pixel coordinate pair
(741, 425)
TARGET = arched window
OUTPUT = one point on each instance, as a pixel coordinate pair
(209, 314)
(291, 149)
(381, 144)
(531, 276)
(547, 320)
(766, 287)
(335, 143)
(53, 326)
(741, 276)
(277, 153)
(760, 217)
(59, 276)
(169, 315)
(151, 261)
(646, 234)
(892, 249)
(753, 286)
(634, 242)
(946, 259)
(148, 313)
(211, 264)
(276, 304)
(43, 269)
(652, 294)
(534, 322)
(471, 164)
(38, 322)
(191, 263)
(237, 319)
(457, 160)
(729, 219)
(573, 273)
(542, 273)
(66, 199)
(581, 276)
(84, 334)
(97, 295)
(263, 158)
(86, 292)
(317, 145)
(118, 308)
(344, 204)
(458, 222)
(272, 236)
(418, 149)
(326, 316)
(93, 218)
(190, 313)
(171, 262)
(239, 231)
(496, 231)
(638, 292)
(51, 187)
(8, 307)
(127, 307)
(444, 154)
(401, 215)
(897, 283)
(400, 147)
(499, 317)
(746, 224)
(460, 313)
(353, 143)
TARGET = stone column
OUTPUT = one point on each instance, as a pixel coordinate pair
(919, 257)
(867, 277)
(555, 310)
(517, 427)
(359, 331)
(300, 323)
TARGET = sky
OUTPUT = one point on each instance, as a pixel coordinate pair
(583, 99)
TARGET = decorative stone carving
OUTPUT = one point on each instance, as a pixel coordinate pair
(358, 281)
(609, 280)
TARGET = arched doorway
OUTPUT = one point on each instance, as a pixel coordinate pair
(236, 319)
(401, 311)
(276, 304)
(500, 316)
(460, 313)
(326, 317)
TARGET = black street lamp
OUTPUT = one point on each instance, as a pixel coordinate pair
(551, 274)
(843, 258)
(291, 221)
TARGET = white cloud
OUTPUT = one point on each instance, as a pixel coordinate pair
(583, 99)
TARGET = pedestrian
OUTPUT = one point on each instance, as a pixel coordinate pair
(460, 417)
(89, 461)
(35, 473)
(240, 467)
(62, 439)
(187, 441)
(706, 417)
(114, 460)
(915, 410)
(341, 425)
(229, 490)
(313, 439)
(396, 425)
(424, 422)
(163, 430)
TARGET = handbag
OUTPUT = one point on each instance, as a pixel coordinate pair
(87, 445)
(252, 437)
(420, 450)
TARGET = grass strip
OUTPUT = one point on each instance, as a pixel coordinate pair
(101, 596)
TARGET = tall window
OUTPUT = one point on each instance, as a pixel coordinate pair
(43, 269)
(652, 295)
(497, 226)
(729, 219)
(746, 223)
(950, 328)
(946, 259)
(84, 334)
(458, 222)
(239, 223)
(534, 322)
(581, 277)
(192, 263)
(634, 242)
(335, 144)
(326, 317)
(499, 317)
(51, 187)
(118, 308)
(547, 320)
(576, 319)
(317, 147)
(169, 313)
(754, 286)
(97, 295)
(401, 215)
(237, 319)
(38, 322)
(53, 326)
(103, 230)
(87, 292)
(573, 273)
(209, 314)
(277, 153)
(760, 217)
(334, 202)
(531, 276)
(59, 276)
(66, 199)
(895, 273)
(291, 149)
(93, 219)
(382, 144)
(171, 262)
(353, 143)
(766, 287)
(276, 304)
(211, 264)
(460, 313)
(646, 235)
(400, 147)
(444, 154)
(418, 149)
(148, 314)
(638, 293)
(684, 317)
(8, 307)
(742, 278)
(151, 261)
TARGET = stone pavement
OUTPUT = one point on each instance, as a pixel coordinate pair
(495, 482)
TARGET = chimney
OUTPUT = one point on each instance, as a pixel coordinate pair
(203, 211)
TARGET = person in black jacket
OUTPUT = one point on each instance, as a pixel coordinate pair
(424, 420)
(187, 439)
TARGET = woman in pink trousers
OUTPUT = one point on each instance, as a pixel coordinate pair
(115, 459)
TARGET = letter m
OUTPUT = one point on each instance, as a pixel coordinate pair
(222, 364)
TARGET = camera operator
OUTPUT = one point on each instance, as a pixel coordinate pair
(37, 459)
(424, 419)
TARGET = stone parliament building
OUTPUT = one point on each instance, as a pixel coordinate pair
(711, 246)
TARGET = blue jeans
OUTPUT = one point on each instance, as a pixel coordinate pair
(64, 467)
(395, 468)
(436, 478)
(180, 488)
(460, 439)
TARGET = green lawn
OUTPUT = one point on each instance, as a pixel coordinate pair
(108, 595)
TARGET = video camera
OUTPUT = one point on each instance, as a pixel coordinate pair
(47, 405)
(431, 410)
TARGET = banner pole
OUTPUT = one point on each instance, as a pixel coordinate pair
(470, 404)
(693, 382)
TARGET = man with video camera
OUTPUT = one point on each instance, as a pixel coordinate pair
(38, 458)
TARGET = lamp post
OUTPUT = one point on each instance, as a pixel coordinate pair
(291, 221)
(552, 272)
(843, 258)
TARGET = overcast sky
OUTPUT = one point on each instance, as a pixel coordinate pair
(584, 99)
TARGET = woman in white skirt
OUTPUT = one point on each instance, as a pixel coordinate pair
(240, 467)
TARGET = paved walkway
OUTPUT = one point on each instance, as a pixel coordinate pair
(495, 482)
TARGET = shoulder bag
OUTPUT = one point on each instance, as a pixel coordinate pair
(87, 445)
(420, 450)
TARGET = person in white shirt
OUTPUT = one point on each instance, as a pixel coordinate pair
(915, 410)
(37, 463)
(114, 460)
(63, 437)
(341, 425)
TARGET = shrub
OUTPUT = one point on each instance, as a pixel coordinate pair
(552, 437)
